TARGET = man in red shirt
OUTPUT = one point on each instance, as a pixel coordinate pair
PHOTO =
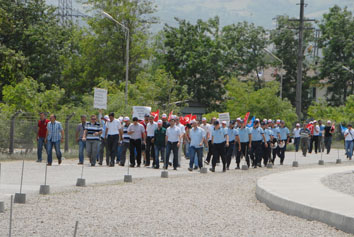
(41, 133)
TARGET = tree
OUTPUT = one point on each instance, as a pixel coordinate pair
(285, 40)
(337, 43)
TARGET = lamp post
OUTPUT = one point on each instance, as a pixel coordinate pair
(127, 54)
(281, 74)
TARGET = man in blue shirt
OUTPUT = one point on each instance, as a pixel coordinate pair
(266, 154)
(245, 137)
(233, 139)
(256, 150)
(283, 138)
(55, 135)
(275, 131)
(196, 139)
(321, 136)
(219, 140)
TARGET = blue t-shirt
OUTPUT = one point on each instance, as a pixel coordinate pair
(196, 136)
(232, 133)
(243, 134)
(267, 133)
(257, 134)
(275, 131)
(284, 132)
(219, 135)
(322, 127)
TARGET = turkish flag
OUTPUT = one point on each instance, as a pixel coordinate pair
(194, 117)
(246, 118)
(182, 121)
(310, 127)
(170, 116)
(333, 127)
(156, 115)
(187, 118)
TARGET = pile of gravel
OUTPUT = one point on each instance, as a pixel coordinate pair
(342, 182)
(213, 204)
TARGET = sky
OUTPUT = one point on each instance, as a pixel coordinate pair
(260, 12)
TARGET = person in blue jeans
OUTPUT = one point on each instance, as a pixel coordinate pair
(41, 133)
(79, 134)
(55, 135)
(196, 139)
(349, 141)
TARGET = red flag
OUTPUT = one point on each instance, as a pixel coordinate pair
(156, 115)
(194, 117)
(187, 118)
(170, 116)
(333, 127)
(246, 118)
(182, 121)
(310, 127)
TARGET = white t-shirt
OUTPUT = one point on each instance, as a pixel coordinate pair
(150, 129)
(207, 128)
(113, 127)
(296, 132)
(182, 128)
(316, 130)
(138, 130)
(173, 134)
(350, 136)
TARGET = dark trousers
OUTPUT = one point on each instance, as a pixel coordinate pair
(314, 139)
(150, 151)
(328, 143)
(274, 152)
(219, 151)
(171, 146)
(135, 145)
(112, 144)
(245, 152)
(103, 146)
(256, 152)
(266, 153)
(229, 152)
(297, 143)
(210, 151)
(282, 152)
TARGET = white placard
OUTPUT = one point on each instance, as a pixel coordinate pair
(140, 111)
(100, 99)
(224, 117)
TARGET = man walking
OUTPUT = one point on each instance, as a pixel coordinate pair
(173, 141)
(256, 150)
(150, 133)
(267, 149)
(137, 137)
(283, 140)
(219, 140)
(159, 143)
(196, 140)
(114, 132)
(103, 141)
(328, 131)
(245, 137)
(305, 135)
(54, 136)
(41, 133)
(349, 140)
(80, 129)
(91, 136)
(126, 141)
(210, 144)
(296, 133)
(233, 139)
(321, 145)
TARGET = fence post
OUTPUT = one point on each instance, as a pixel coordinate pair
(12, 132)
(66, 147)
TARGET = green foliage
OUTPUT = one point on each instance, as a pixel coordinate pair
(337, 43)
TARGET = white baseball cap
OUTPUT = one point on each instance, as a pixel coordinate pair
(193, 121)
(329, 121)
(126, 119)
(159, 121)
(204, 119)
(314, 121)
(270, 121)
(238, 119)
(297, 125)
(223, 122)
(164, 116)
(278, 120)
(106, 117)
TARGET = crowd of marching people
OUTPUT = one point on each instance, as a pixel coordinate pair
(152, 143)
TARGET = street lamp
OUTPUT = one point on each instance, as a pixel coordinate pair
(127, 54)
(281, 74)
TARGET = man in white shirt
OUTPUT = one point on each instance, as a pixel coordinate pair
(349, 141)
(210, 145)
(173, 142)
(315, 137)
(183, 131)
(296, 133)
(113, 134)
(150, 133)
(137, 136)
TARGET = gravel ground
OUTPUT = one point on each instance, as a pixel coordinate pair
(213, 204)
(342, 182)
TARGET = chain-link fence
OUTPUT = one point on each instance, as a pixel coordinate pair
(18, 136)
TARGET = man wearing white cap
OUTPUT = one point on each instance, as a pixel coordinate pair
(315, 137)
(173, 142)
(328, 131)
(196, 140)
(150, 133)
(284, 139)
(159, 143)
(296, 133)
(126, 141)
(256, 149)
(165, 123)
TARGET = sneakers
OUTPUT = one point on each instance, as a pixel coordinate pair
(80, 163)
(190, 169)
(59, 162)
(212, 169)
(38, 161)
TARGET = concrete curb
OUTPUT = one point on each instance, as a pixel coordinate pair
(294, 208)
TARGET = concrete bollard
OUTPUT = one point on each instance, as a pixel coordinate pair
(321, 162)
(244, 167)
(295, 164)
(81, 182)
(269, 165)
(164, 174)
(44, 189)
(128, 178)
(203, 170)
(20, 198)
(338, 161)
(2, 207)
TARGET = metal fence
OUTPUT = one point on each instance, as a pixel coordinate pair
(18, 135)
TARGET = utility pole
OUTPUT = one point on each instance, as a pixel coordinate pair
(300, 57)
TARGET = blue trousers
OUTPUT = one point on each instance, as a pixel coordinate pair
(349, 148)
(82, 146)
(193, 151)
(158, 150)
(40, 148)
(50, 145)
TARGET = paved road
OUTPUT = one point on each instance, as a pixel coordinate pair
(66, 174)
